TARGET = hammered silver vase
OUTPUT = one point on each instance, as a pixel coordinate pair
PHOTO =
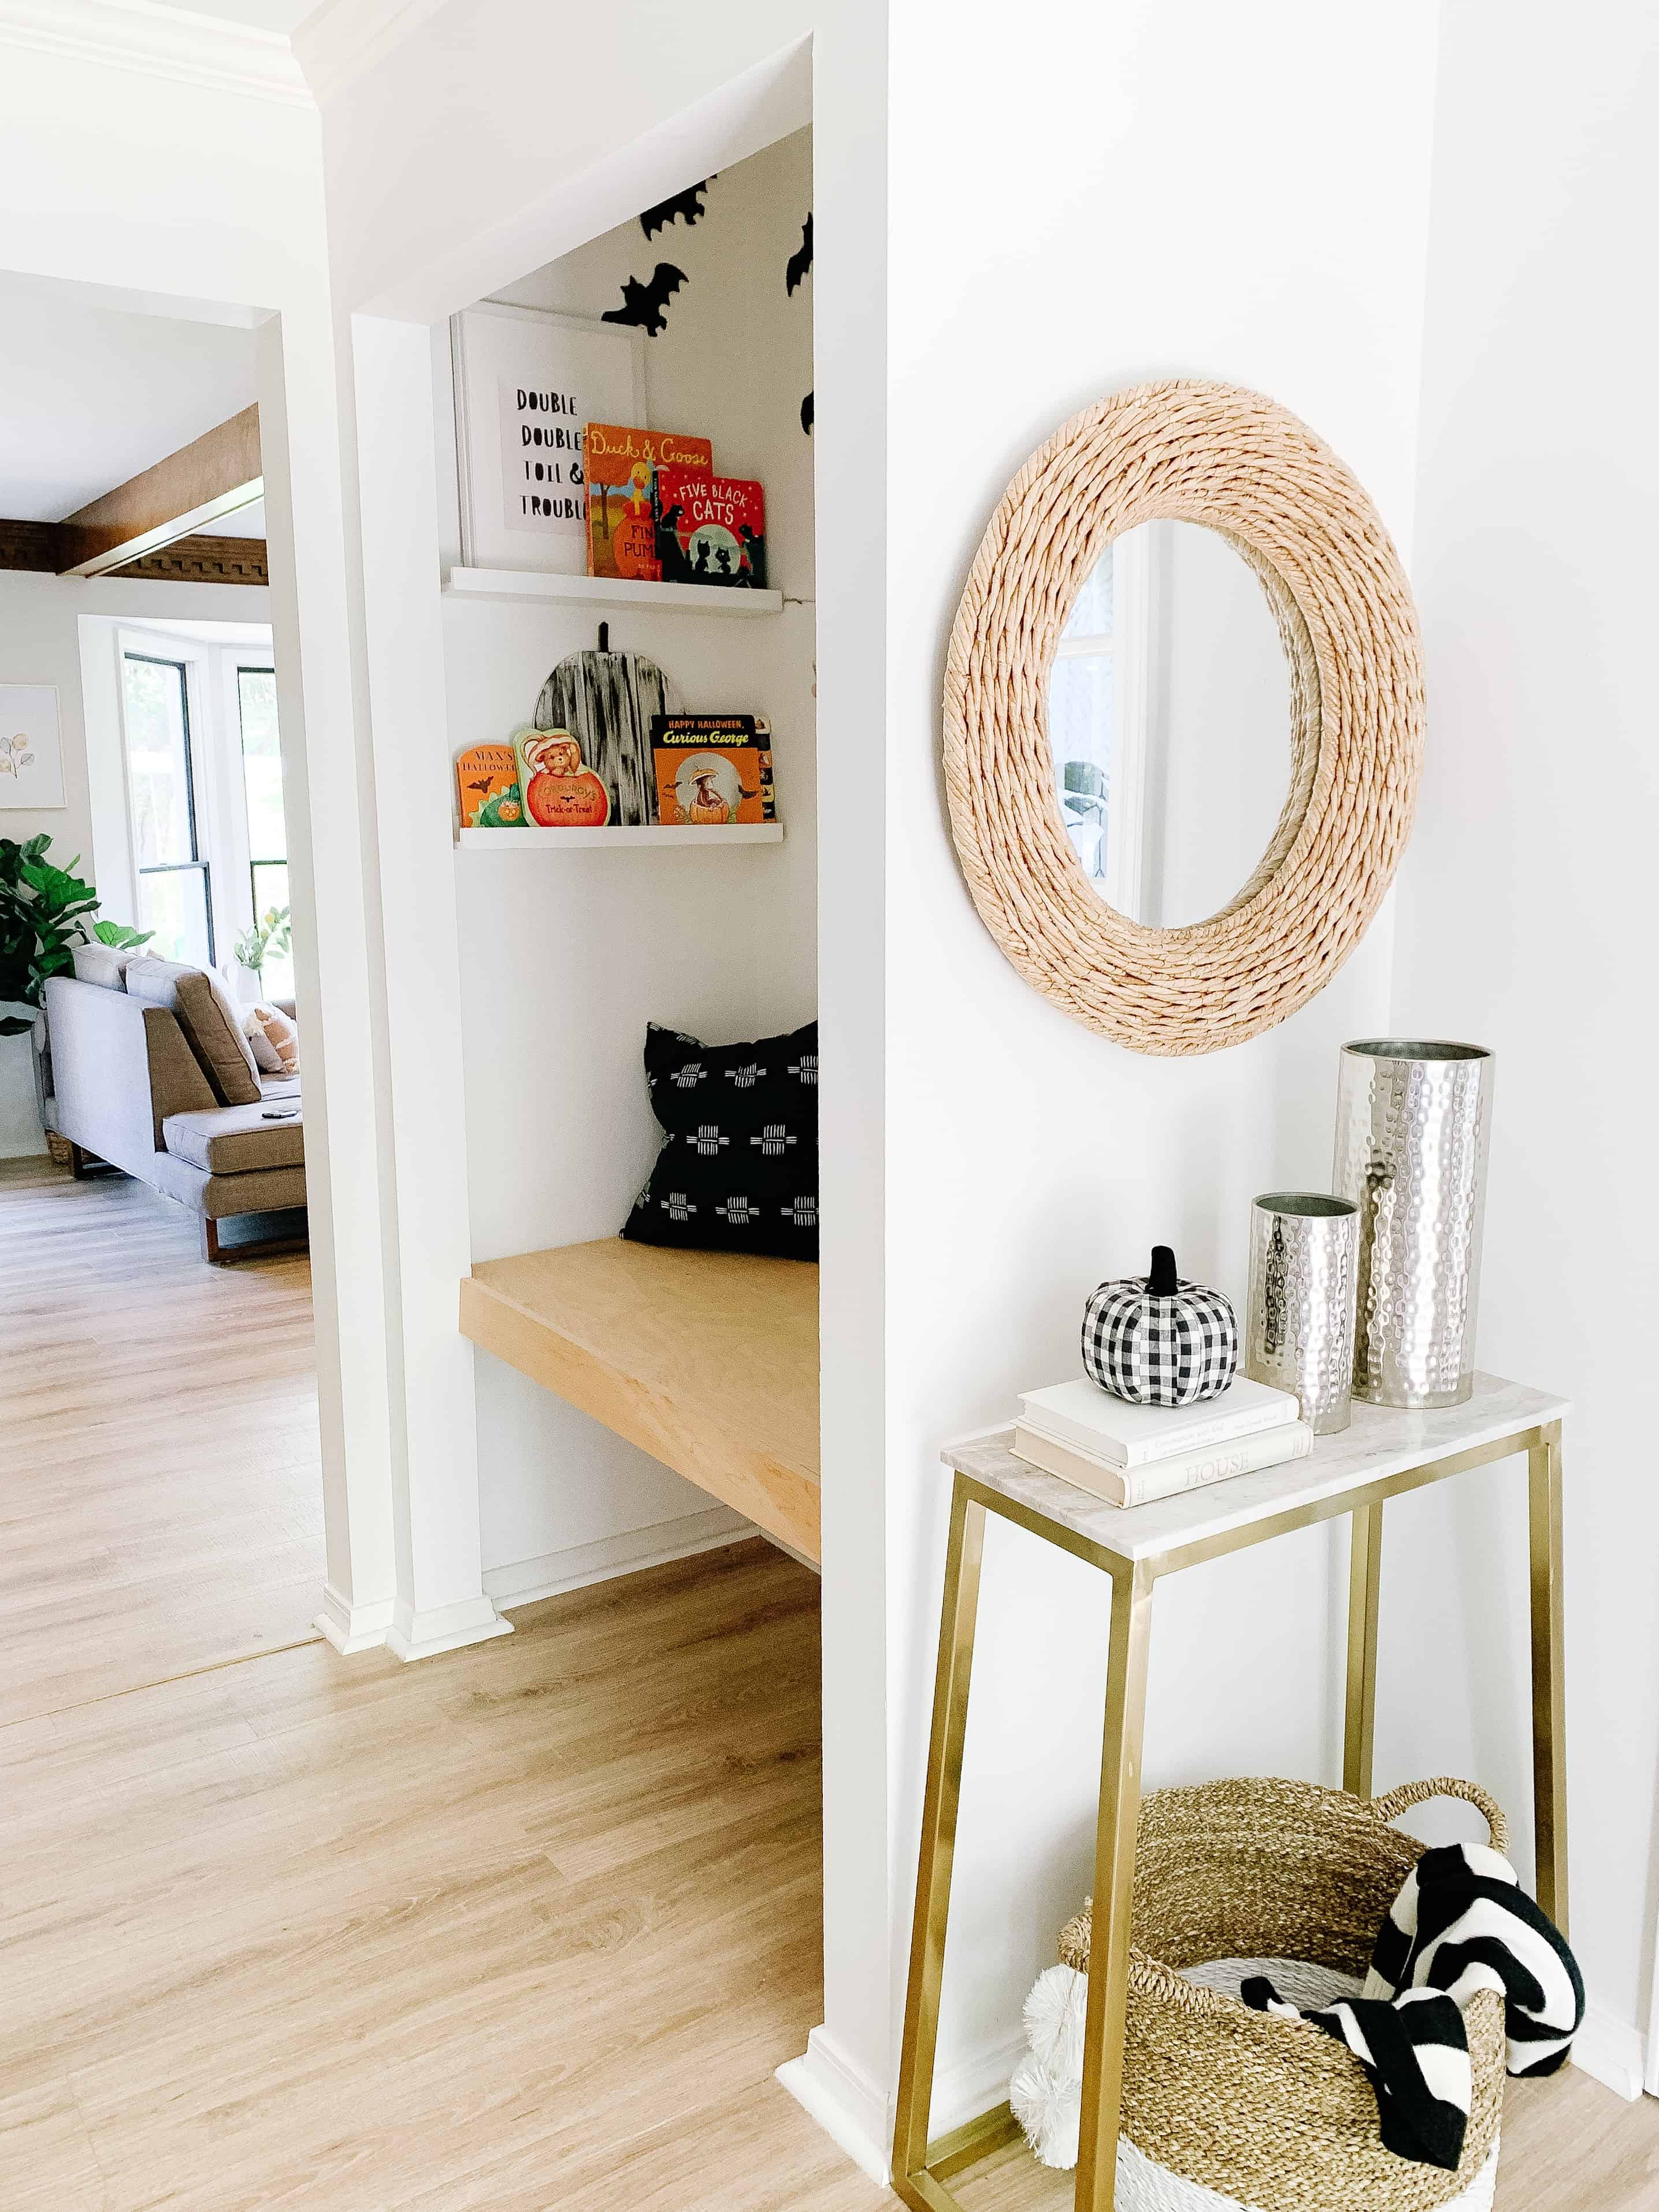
(1412, 1127)
(1298, 1328)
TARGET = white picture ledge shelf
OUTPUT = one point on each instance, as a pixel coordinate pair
(608, 592)
(652, 833)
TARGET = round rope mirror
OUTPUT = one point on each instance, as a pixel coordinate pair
(1187, 452)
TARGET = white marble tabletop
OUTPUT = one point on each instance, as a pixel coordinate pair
(1381, 1441)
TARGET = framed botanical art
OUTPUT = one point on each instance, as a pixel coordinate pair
(526, 383)
(31, 753)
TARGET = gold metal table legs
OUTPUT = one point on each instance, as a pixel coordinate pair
(1115, 1832)
(958, 1616)
(1549, 1712)
(922, 2168)
(1365, 1588)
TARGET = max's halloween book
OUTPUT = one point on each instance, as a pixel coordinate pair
(622, 467)
(710, 530)
(713, 768)
(486, 787)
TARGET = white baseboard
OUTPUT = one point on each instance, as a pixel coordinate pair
(1612, 2052)
(524, 1580)
(850, 2108)
(443, 1627)
(976, 2084)
(352, 1628)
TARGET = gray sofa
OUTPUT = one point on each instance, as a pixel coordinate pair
(131, 1089)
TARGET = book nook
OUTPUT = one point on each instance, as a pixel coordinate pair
(635, 792)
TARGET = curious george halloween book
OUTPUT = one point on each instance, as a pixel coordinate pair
(713, 768)
(621, 466)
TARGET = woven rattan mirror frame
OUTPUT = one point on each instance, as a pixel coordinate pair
(1214, 454)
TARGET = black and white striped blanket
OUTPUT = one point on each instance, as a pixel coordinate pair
(1462, 1923)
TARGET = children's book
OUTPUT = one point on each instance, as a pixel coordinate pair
(713, 768)
(486, 787)
(559, 792)
(710, 530)
(621, 466)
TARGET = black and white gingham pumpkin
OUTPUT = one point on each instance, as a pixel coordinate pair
(1156, 1340)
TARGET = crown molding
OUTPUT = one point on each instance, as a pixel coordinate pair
(160, 41)
(341, 39)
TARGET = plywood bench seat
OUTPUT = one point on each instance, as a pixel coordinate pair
(707, 1360)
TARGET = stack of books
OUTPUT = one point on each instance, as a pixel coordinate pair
(1131, 1455)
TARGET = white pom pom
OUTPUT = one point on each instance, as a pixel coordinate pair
(1055, 2015)
(1048, 2110)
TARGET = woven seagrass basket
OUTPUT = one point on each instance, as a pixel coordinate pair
(1269, 2113)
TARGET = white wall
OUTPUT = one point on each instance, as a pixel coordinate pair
(1027, 1158)
(40, 643)
(1525, 907)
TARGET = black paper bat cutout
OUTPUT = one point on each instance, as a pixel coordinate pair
(806, 414)
(798, 266)
(688, 203)
(645, 305)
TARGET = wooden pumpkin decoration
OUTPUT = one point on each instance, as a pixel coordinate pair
(1156, 1340)
(606, 701)
(559, 792)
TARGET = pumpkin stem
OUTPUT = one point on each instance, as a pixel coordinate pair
(1163, 1282)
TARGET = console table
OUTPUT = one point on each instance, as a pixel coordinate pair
(1382, 1455)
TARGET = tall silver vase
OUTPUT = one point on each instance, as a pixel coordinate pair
(1412, 1128)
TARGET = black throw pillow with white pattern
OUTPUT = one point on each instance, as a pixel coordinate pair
(739, 1168)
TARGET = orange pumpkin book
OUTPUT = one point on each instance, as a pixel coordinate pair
(620, 467)
(713, 768)
(559, 792)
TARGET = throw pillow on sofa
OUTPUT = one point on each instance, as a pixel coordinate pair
(106, 964)
(275, 1039)
(739, 1168)
(210, 1021)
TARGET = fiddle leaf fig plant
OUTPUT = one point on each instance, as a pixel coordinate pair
(121, 935)
(43, 910)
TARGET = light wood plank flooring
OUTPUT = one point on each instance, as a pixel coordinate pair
(525, 1927)
(161, 1505)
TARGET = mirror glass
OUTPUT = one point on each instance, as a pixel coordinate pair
(1170, 719)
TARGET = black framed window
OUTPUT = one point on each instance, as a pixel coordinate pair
(267, 824)
(175, 891)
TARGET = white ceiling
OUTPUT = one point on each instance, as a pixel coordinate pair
(258, 15)
(90, 395)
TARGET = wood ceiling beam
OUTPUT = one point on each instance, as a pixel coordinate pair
(214, 476)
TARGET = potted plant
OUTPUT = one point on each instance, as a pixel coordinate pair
(43, 917)
(272, 933)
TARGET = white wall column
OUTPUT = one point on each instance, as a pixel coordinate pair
(331, 862)
(441, 1603)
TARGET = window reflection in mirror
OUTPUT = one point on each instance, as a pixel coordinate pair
(1169, 720)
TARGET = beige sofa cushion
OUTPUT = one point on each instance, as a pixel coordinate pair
(232, 1139)
(105, 965)
(208, 1018)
